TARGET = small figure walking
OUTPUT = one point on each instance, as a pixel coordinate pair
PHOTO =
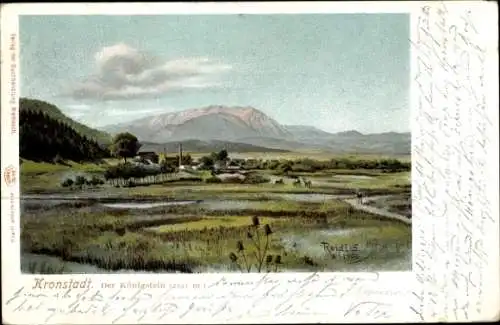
(359, 196)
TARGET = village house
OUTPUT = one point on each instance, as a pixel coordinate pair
(148, 155)
(233, 165)
(163, 158)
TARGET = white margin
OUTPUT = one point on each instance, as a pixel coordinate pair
(455, 264)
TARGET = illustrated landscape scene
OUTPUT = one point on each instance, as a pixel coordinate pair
(217, 143)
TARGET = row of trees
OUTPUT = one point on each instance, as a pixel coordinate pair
(81, 181)
(43, 138)
(310, 165)
(127, 173)
(306, 164)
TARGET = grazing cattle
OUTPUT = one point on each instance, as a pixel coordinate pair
(308, 183)
(297, 182)
(359, 196)
(279, 181)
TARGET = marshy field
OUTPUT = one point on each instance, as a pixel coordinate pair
(187, 222)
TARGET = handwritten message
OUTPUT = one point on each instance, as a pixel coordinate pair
(451, 141)
(228, 298)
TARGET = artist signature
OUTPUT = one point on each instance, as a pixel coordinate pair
(351, 253)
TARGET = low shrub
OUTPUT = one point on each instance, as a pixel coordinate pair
(80, 180)
(68, 182)
(255, 179)
(213, 180)
(191, 179)
(95, 181)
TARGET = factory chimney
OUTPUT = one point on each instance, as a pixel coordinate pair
(180, 154)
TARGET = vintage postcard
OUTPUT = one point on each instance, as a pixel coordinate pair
(249, 163)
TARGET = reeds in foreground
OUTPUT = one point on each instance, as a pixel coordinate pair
(256, 256)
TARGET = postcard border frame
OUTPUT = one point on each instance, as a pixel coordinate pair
(427, 297)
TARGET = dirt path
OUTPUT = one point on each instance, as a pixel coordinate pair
(354, 202)
(382, 212)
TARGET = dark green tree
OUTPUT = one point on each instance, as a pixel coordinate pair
(125, 145)
(222, 155)
(207, 161)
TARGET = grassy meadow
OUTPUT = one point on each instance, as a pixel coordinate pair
(213, 227)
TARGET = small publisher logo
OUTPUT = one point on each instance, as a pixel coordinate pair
(9, 175)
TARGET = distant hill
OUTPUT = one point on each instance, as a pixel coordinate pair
(349, 134)
(306, 132)
(248, 125)
(290, 144)
(205, 146)
(27, 104)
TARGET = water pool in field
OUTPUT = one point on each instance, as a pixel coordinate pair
(308, 197)
(145, 205)
(210, 204)
(352, 177)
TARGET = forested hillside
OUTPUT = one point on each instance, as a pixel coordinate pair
(27, 104)
(44, 138)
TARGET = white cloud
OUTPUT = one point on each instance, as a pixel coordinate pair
(76, 115)
(78, 107)
(135, 113)
(123, 72)
(103, 114)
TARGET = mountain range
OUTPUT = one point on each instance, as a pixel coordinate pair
(238, 129)
(250, 126)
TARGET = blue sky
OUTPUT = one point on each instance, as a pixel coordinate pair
(334, 71)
